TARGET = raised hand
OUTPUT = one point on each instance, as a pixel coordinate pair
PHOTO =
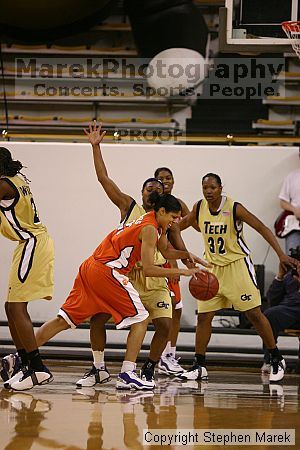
(94, 133)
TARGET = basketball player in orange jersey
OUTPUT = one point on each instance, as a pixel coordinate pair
(102, 284)
(31, 273)
(153, 292)
(168, 364)
(220, 220)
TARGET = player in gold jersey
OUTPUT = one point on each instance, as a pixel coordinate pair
(168, 363)
(220, 220)
(31, 272)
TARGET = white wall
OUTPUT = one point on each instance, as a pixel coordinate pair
(78, 214)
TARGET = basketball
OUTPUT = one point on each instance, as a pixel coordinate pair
(205, 286)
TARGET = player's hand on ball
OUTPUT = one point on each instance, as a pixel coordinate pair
(204, 285)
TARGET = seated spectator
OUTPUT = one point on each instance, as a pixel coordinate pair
(284, 297)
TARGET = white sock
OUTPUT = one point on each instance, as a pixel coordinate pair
(167, 349)
(98, 358)
(128, 366)
(173, 351)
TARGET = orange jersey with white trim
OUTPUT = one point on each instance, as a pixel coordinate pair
(121, 249)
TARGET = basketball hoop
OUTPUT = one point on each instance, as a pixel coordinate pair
(292, 30)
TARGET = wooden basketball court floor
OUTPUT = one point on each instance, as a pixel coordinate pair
(59, 416)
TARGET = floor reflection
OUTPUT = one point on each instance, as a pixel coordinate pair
(59, 416)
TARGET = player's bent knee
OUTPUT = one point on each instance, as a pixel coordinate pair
(99, 319)
(205, 318)
(255, 315)
(61, 324)
(163, 326)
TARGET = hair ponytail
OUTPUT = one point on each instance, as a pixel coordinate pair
(167, 201)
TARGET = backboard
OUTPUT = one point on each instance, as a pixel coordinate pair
(254, 26)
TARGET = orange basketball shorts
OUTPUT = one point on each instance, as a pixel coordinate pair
(100, 289)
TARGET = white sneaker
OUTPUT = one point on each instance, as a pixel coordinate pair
(277, 370)
(169, 365)
(94, 376)
(15, 378)
(194, 373)
(266, 368)
(32, 378)
(130, 379)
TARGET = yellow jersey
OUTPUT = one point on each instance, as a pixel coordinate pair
(19, 216)
(222, 232)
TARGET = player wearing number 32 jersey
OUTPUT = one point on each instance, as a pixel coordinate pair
(221, 223)
(226, 249)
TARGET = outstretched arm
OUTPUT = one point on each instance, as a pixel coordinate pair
(246, 216)
(119, 198)
(149, 243)
(187, 257)
(187, 221)
(177, 248)
(185, 211)
(190, 220)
